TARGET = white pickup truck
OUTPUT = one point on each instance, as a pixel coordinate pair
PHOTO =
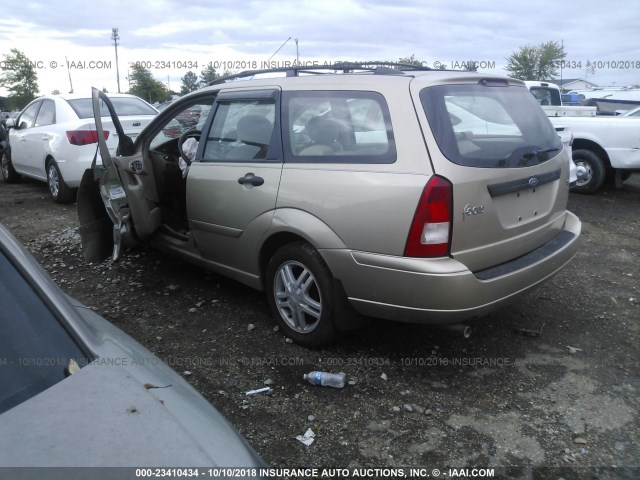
(603, 146)
(550, 99)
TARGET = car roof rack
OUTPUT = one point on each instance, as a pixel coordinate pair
(377, 68)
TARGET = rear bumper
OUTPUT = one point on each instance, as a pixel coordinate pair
(443, 290)
(74, 161)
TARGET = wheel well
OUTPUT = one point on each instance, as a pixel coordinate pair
(46, 161)
(582, 144)
(272, 244)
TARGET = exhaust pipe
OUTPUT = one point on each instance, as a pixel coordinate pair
(458, 329)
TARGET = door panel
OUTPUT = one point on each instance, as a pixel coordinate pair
(127, 185)
(232, 189)
(41, 137)
(21, 138)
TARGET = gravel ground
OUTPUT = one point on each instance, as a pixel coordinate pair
(565, 402)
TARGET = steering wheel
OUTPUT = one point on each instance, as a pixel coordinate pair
(183, 138)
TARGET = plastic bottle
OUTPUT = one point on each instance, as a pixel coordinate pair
(325, 379)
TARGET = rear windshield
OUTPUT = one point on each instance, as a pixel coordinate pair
(489, 126)
(546, 96)
(123, 105)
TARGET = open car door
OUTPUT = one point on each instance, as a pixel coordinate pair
(117, 199)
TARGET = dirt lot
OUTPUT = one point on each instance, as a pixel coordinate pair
(417, 396)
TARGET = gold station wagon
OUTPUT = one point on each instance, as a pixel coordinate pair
(418, 196)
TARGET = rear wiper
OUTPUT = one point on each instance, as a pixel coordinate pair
(535, 153)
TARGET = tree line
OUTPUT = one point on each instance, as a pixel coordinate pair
(18, 74)
(145, 86)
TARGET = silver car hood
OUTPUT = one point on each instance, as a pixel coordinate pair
(109, 412)
(104, 414)
(100, 416)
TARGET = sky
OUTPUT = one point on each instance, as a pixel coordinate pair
(70, 42)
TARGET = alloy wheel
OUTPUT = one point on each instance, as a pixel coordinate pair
(54, 180)
(297, 296)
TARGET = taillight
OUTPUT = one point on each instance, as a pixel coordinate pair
(84, 137)
(430, 233)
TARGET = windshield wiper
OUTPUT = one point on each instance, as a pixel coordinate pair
(535, 153)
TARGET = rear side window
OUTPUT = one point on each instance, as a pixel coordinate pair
(489, 126)
(337, 127)
(546, 96)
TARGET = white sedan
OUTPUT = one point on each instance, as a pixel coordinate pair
(54, 139)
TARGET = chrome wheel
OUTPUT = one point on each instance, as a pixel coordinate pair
(591, 171)
(584, 172)
(297, 296)
(54, 180)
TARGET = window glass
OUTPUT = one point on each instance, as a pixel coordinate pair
(35, 349)
(241, 130)
(489, 126)
(47, 113)
(337, 126)
(193, 117)
(546, 96)
(27, 117)
(480, 116)
(123, 106)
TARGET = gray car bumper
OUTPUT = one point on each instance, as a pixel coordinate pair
(443, 290)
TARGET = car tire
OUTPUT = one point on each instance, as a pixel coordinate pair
(595, 168)
(9, 174)
(58, 189)
(304, 313)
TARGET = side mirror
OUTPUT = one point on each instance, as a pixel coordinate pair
(10, 123)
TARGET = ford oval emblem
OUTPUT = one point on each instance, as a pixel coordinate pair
(533, 181)
(137, 124)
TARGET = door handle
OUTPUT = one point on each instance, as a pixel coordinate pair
(251, 179)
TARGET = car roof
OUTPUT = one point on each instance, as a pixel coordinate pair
(352, 81)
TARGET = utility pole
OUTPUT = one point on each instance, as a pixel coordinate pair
(69, 72)
(115, 37)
